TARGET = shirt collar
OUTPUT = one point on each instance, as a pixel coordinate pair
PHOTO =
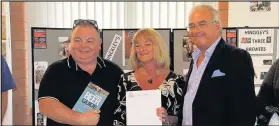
(211, 49)
(208, 52)
(73, 65)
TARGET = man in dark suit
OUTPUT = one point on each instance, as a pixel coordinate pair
(220, 84)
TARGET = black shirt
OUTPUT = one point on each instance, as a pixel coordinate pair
(65, 81)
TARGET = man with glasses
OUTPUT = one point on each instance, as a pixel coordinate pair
(220, 84)
(65, 80)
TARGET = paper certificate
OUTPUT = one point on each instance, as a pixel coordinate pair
(141, 107)
(274, 121)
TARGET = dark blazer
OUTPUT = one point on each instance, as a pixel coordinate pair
(226, 100)
(268, 95)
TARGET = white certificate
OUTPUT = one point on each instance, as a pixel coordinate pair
(141, 107)
(274, 121)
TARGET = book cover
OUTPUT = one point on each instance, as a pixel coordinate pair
(92, 98)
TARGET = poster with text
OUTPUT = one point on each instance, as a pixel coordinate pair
(262, 61)
(127, 44)
(39, 70)
(63, 47)
(231, 36)
(39, 38)
(113, 46)
(256, 41)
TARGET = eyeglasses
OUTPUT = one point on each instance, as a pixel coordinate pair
(201, 25)
(86, 21)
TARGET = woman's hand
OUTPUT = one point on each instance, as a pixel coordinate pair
(162, 113)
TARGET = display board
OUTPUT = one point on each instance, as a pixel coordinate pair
(261, 43)
(117, 45)
(49, 45)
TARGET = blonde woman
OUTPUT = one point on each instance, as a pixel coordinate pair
(150, 62)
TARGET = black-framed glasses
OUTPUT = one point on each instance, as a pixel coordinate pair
(86, 21)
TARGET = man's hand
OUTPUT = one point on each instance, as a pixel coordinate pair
(89, 118)
(162, 113)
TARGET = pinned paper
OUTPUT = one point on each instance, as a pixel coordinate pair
(113, 47)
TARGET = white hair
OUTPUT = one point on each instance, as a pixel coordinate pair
(214, 12)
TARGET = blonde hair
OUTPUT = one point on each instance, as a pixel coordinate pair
(160, 51)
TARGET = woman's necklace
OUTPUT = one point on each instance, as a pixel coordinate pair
(150, 80)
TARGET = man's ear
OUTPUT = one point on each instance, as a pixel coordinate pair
(218, 24)
(100, 45)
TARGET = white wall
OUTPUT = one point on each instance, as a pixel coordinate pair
(240, 15)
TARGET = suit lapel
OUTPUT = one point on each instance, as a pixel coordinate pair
(215, 57)
(211, 66)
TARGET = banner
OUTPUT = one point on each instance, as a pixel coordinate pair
(256, 41)
(113, 47)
